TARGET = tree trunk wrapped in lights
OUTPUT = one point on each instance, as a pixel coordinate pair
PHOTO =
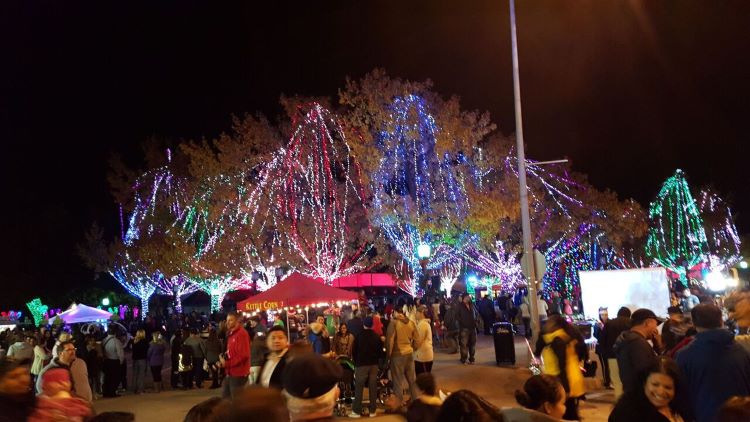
(137, 281)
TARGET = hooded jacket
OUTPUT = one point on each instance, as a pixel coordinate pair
(715, 368)
(561, 360)
(611, 332)
(400, 337)
(634, 354)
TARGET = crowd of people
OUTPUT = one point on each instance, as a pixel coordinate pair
(691, 367)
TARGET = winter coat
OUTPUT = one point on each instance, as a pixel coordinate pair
(424, 337)
(140, 350)
(155, 353)
(715, 368)
(634, 355)
(611, 332)
(561, 359)
(355, 326)
(467, 317)
(213, 350)
(400, 337)
(635, 407)
(367, 348)
(238, 352)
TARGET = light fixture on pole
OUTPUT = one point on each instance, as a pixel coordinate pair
(423, 252)
(105, 301)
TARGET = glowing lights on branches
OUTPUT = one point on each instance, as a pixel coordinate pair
(501, 264)
(218, 286)
(448, 276)
(676, 238)
(38, 310)
(135, 280)
(721, 233)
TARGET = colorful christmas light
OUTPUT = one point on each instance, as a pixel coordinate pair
(723, 239)
(135, 280)
(37, 309)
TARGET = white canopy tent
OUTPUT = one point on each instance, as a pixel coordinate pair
(82, 313)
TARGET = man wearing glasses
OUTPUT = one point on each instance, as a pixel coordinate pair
(66, 358)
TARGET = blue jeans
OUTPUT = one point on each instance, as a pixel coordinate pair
(232, 386)
(139, 374)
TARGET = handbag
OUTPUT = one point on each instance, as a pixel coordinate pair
(589, 369)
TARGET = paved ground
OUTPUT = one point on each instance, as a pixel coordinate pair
(496, 384)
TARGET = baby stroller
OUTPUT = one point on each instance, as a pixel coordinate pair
(346, 386)
(385, 385)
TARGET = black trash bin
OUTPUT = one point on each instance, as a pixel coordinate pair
(505, 351)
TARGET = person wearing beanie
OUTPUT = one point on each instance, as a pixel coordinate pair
(56, 401)
(366, 351)
(311, 389)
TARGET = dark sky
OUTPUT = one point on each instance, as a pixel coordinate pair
(629, 90)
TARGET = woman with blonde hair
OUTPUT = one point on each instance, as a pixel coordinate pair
(155, 354)
(140, 366)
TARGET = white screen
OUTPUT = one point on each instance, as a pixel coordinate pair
(637, 288)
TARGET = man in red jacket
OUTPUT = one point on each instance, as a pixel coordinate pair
(236, 360)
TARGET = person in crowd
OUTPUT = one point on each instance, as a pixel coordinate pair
(79, 377)
(736, 409)
(366, 351)
(377, 324)
(199, 355)
(213, 350)
(562, 348)
(487, 311)
(688, 300)
(427, 404)
(526, 319)
(599, 349)
(311, 387)
(400, 340)
(93, 360)
(610, 333)
(22, 351)
(278, 320)
(738, 306)
(467, 406)
(633, 350)
(17, 399)
(175, 359)
(57, 403)
(354, 325)
(715, 366)
(317, 336)
(258, 349)
(155, 358)
(205, 411)
(542, 309)
(342, 341)
(275, 360)
(64, 336)
(236, 360)
(467, 322)
(185, 362)
(40, 356)
(253, 404)
(140, 364)
(540, 394)
(114, 356)
(674, 328)
(452, 328)
(658, 397)
(423, 355)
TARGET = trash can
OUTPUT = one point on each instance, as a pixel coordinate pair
(505, 350)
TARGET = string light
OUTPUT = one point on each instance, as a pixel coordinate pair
(38, 310)
(135, 280)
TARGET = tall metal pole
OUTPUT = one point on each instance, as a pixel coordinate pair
(528, 247)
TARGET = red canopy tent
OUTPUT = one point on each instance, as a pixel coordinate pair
(296, 290)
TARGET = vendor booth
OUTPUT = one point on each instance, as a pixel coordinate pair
(295, 291)
(82, 313)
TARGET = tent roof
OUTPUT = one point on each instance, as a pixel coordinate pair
(296, 290)
(83, 313)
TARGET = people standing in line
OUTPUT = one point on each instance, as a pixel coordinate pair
(688, 300)
(633, 350)
(140, 364)
(114, 356)
(674, 329)
(155, 356)
(367, 350)
(715, 366)
(562, 348)
(275, 360)
(213, 350)
(174, 378)
(467, 323)
(17, 398)
(198, 345)
(659, 396)
(343, 341)
(40, 356)
(540, 394)
(401, 338)
(611, 332)
(423, 355)
(236, 360)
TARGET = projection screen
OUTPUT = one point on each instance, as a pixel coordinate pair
(637, 288)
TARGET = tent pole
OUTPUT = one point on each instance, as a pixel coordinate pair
(288, 334)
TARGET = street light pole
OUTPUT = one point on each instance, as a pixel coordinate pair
(528, 247)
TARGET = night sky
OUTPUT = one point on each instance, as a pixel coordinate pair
(629, 90)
